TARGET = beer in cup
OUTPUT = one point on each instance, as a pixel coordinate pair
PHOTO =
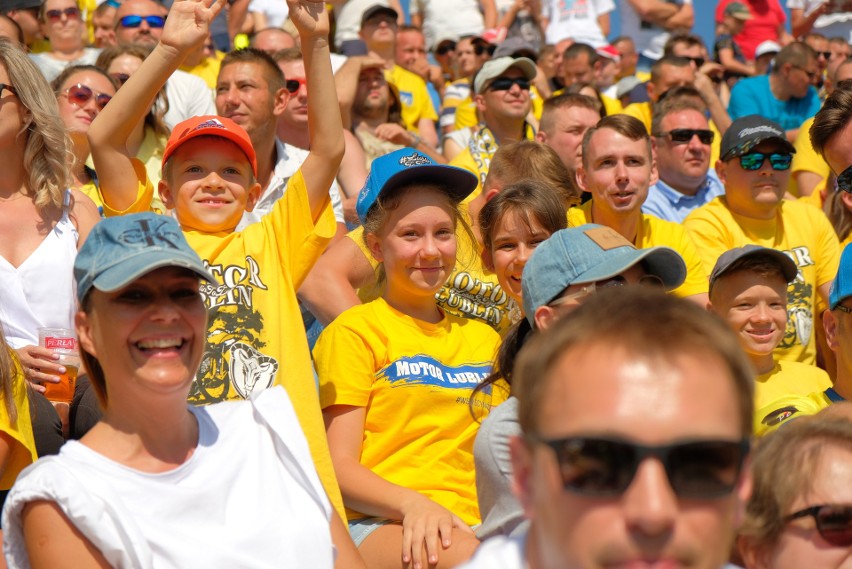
(64, 344)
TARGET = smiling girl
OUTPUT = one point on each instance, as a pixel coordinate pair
(396, 376)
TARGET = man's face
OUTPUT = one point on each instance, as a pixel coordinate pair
(27, 19)
(629, 58)
(410, 49)
(692, 52)
(144, 33)
(379, 32)
(372, 93)
(755, 193)
(605, 72)
(296, 112)
(839, 50)
(838, 151)
(566, 133)
(467, 59)
(821, 47)
(651, 401)
(683, 164)
(243, 95)
(670, 76)
(502, 104)
(577, 70)
(799, 79)
(104, 24)
(617, 172)
(755, 308)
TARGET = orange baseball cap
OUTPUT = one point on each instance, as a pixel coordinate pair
(211, 125)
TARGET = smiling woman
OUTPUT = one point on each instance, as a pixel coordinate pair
(154, 483)
(61, 22)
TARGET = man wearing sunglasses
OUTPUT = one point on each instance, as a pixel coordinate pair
(635, 414)
(755, 169)
(683, 140)
(25, 14)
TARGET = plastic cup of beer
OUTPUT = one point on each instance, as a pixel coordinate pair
(64, 344)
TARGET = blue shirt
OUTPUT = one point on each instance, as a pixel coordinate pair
(667, 203)
(752, 96)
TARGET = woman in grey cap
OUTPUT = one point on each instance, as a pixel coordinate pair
(155, 483)
(561, 273)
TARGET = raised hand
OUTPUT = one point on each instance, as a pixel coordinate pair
(188, 23)
(310, 17)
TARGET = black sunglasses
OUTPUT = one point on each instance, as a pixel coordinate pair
(445, 48)
(755, 160)
(136, 21)
(292, 85)
(684, 135)
(844, 180)
(4, 87)
(825, 54)
(834, 523)
(698, 61)
(505, 83)
(602, 467)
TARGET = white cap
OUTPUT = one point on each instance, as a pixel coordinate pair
(768, 46)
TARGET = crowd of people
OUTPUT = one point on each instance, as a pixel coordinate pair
(481, 283)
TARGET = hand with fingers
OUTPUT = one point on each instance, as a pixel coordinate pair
(40, 365)
(310, 17)
(396, 134)
(188, 23)
(427, 524)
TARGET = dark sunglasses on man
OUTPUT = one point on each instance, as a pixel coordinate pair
(134, 21)
(505, 83)
(684, 135)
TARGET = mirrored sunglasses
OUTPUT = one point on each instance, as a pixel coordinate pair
(755, 160)
(133, 21)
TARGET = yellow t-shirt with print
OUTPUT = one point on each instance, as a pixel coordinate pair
(255, 335)
(788, 378)
(642, 111)
(806, 158)
(416, 102)
(415, 380)
(799, 230)
(655, 232)
(23, 449)
(472, 291)
(770, 417)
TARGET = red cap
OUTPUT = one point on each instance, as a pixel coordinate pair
(211, 125)
(609, 52)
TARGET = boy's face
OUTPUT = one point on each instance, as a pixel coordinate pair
(209, 183)
(755, 308)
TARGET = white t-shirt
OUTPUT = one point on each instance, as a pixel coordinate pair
(446, 18)
(248, 497)
(499, 553)
(576, 19)
(189, 96)
(276, 11)
(650, 39)
(838, 24)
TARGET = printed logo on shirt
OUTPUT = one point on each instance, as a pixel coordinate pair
(426, 370)
(469, 297)
(407, 98)
(233, 365)
(800, 309)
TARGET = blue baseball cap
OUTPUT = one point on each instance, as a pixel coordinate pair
(121, 249)
(841, 288)
(586, 254)
(406, 166)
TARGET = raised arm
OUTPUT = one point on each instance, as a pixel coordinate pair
(186, 28)
(324, 125)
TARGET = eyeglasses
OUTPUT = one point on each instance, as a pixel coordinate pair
(698, 61)
(590, 289)
(684, 135)
(845, 309)
(834, 523)
(80, 94)
(4, 87)
(136, 21)
(445, 48)
(72, 13)
(812, 75)
(293, 85)
(825, 54)
(505, 83)
(755, 160)
(844, 180)
(120, 78)
(699, 469)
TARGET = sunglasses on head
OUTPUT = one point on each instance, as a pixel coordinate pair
(755, 160)
(55, 15)
(684, 135)
(293, 85)
(445, 48)
(834, 523)
(80, 94)
(700, 470)
(136, 21)
(505, 83)
(590, 289)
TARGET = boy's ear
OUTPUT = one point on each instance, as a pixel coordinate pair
(253, 196)
(375, 247)
(166, 194)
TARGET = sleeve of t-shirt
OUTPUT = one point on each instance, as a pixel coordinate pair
(709, 240)
(144, 193)
(604, 6)
(696, 275)
(345, 365)
(742, 101)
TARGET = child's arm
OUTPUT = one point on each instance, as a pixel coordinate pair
(186, 27)
(324, 124)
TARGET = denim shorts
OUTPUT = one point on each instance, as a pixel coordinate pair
(361, 528)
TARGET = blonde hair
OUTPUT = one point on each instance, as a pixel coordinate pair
(47, 149)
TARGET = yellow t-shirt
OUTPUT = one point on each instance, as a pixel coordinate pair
(472, 291)
(788, 378)
(773, 415)
(655, 232)
(806, 158)
(642, 111)
(799, 230)
(23, 452)
(415, 380)
(416, 103)
(255, 335)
